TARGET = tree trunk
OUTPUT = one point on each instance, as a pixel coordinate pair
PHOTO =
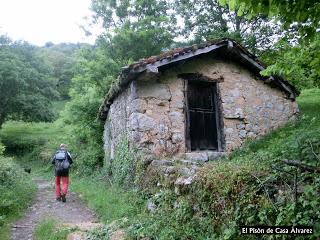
(223, 22)
(238, 27)
(2, 119)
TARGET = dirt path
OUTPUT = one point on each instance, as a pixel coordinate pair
(72, 213)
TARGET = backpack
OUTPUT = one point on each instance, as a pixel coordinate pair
(61, 161)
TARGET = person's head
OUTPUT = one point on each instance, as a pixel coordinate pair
(63, 146)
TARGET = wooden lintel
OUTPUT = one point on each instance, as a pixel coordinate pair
(200, 77)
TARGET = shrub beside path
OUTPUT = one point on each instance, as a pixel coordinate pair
(73, 214)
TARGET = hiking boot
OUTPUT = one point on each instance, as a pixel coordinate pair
(58, 199)
(63, 197)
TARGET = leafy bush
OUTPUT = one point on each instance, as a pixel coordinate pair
(300, 64)
(100, 233)
(173, 218)
(123, 166)
(16, 191)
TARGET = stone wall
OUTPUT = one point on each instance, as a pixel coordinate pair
(151, 114)
(116, 125)
(250, 108)
(151, 111)
(157, 115)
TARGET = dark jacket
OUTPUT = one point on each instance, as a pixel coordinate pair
(66, 172)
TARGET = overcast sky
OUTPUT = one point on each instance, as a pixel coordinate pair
(41, 21)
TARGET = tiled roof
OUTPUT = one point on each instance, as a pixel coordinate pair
(151, 64)
(178, 52)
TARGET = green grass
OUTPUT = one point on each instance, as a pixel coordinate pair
(22, 137)
(33, 144)
(109, 202)
(28, 130)
(16, 192)
(49, 229)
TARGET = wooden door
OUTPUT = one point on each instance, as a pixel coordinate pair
(202, 116)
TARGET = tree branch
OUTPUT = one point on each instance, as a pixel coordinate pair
(302, 166)
(265, 190)
(313, 151)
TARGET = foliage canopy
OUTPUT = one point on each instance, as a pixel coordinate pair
(305, 13)
(26, 83)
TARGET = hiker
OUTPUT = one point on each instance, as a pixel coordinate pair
(62, 160)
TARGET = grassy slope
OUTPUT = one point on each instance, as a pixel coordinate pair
(255, 179)
(250, 187)
(33, 144)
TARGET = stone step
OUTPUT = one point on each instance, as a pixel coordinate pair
(204, 156)
(188, 171)
(163, 162)
(187, 166)
(191, 158)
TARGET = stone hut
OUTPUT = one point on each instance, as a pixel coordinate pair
(195, 102)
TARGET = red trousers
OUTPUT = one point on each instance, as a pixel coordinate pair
(65, 184)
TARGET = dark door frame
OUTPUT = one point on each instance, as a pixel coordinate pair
(218, 114)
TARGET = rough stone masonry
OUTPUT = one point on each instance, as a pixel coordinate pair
(150, 112)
